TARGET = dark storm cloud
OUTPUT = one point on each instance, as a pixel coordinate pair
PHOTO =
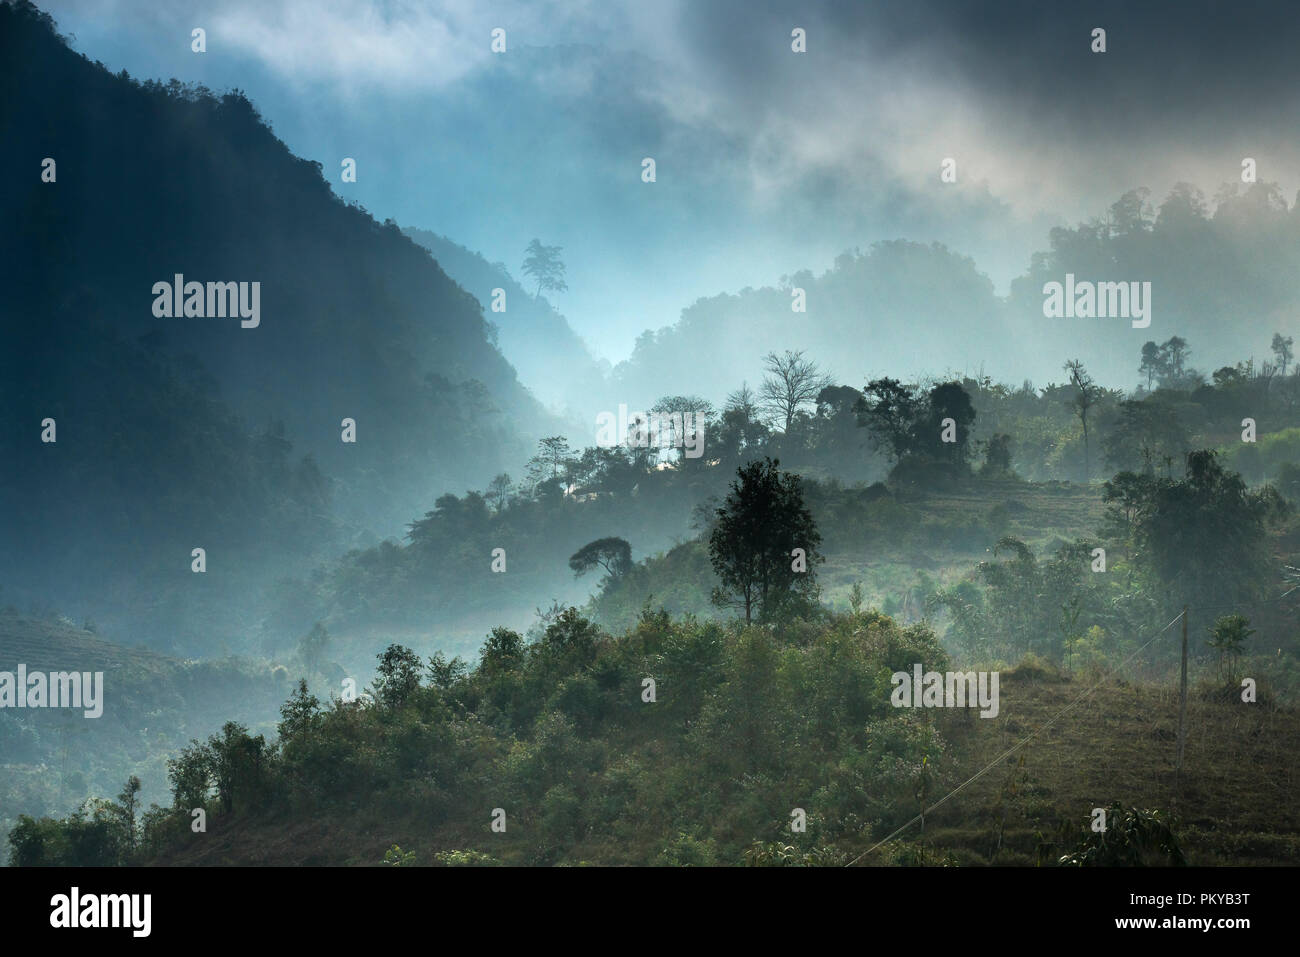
(1168, 65)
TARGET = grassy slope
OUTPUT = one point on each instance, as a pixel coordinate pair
(1119, 745)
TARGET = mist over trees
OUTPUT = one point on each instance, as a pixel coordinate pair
(374, 565)
(188, 432)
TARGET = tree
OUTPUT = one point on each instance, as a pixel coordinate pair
(551, 463)
(1176, 353)
(889, 413)
(1086, 395)
(1204, 536)
(762, 521)
(1131, 213)
(543, 264)
(1228, 637)
(499, 491)
(612, 554)
(397, 676)
(836, 438)
(190, 774)
(443, 673)
(238, 765)
(791, 383)
(129, 804)
(997, 457)
(1282, 350)
(570, 638)
(503, 651)
(298, 715)
(947, 400)
(740, 433)
(675, 409)
(743, 401)
(1155, 365)
(1142, 434)
(1183, 208)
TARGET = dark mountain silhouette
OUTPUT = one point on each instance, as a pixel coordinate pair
(181, 432)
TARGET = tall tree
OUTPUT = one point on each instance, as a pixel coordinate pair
(761, 523)
(1282, 350)
(499, 490)
(889, 413)
(1176, 353)
(543, 263)
(1131, 213)
(551, 463)
(675, 409)
(130, 805)
(1154, 363)
(948, 400)
(1086, 395)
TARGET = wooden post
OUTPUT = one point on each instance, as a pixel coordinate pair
(1182, 710)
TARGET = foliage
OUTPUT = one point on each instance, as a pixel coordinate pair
(752, 546)
(1133, 838)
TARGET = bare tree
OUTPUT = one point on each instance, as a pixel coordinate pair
(791, 383)
(744, 401)
(499, 490)
(687, 417)
(1086, 395)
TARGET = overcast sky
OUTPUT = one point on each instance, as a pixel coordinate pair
(768, 161)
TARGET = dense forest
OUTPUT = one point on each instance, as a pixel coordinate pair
(601, 732)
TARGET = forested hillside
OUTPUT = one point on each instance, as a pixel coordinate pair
(187, 431)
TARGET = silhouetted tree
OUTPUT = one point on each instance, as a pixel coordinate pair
(791, 383)
(543, 264)
(889, 414)
(612, 554)
(1086, 395)
(761, 523)
(1282, 351)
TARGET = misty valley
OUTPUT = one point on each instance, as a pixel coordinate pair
(756, 547)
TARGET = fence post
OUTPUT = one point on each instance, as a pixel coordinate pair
(1182, 712)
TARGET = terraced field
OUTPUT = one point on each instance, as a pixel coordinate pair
(61, 645)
